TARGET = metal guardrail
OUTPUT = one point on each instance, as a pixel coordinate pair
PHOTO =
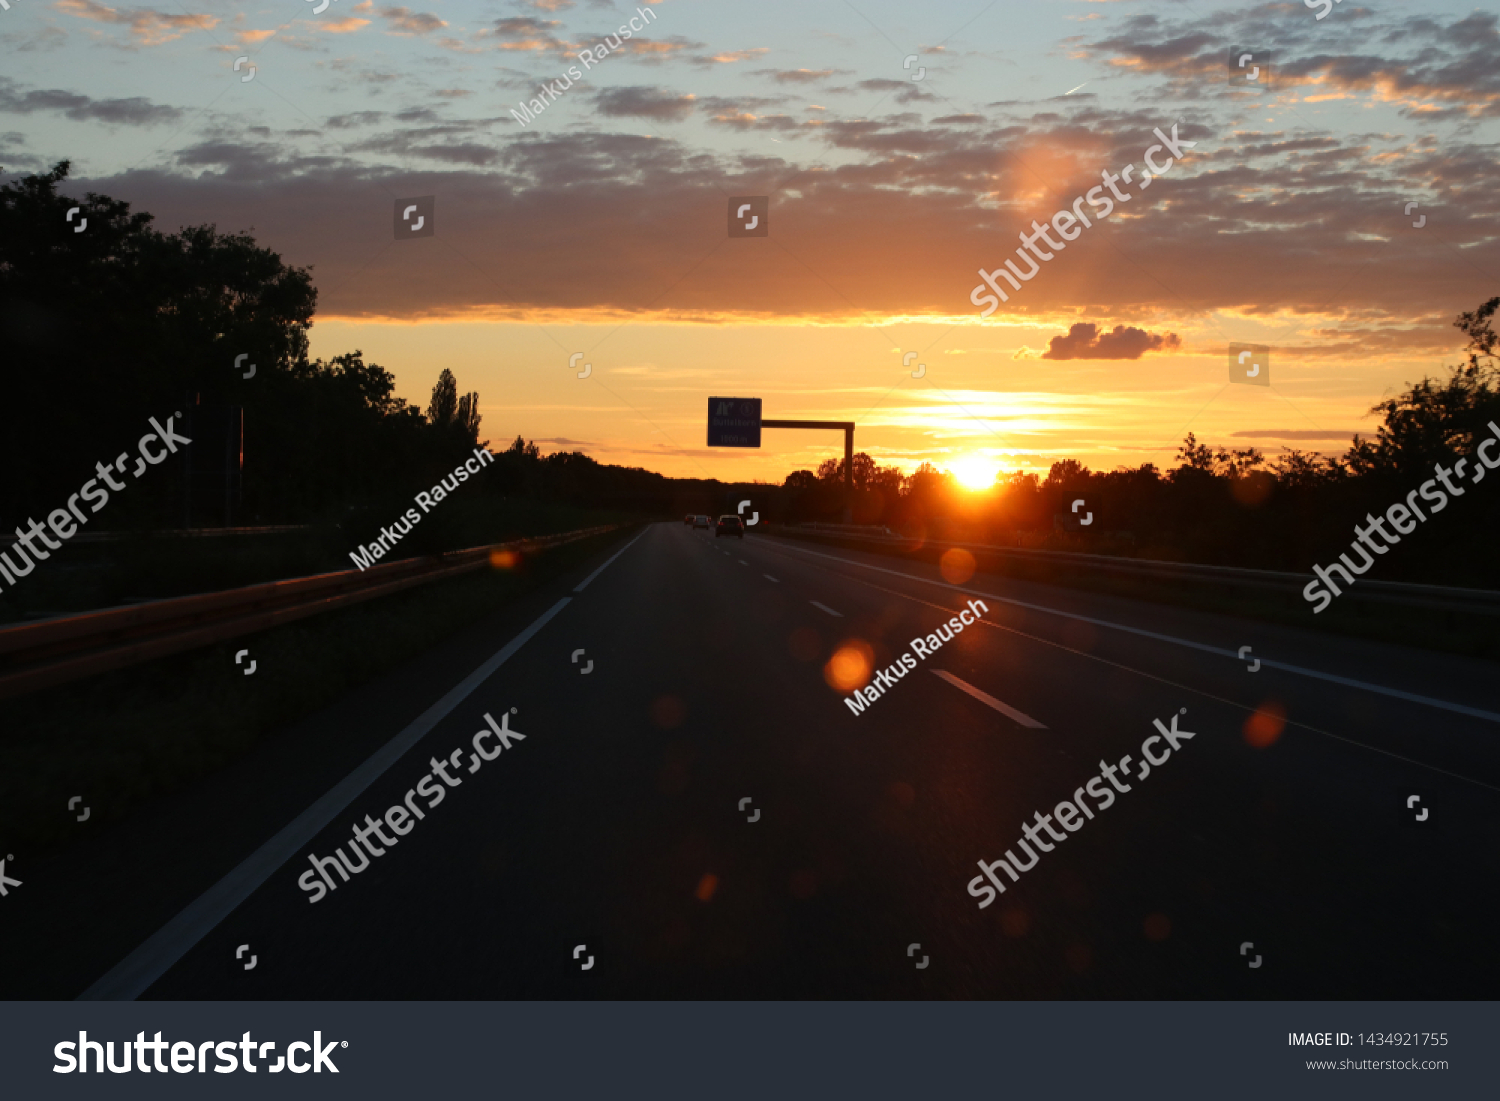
(175, 533)
(1441, 598)
(872, 530)
(54, 651)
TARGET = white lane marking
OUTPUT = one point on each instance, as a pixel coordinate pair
(133, 975)
(1348, 682)
(743, 562)
(768, 577)
(984, 697)
(1239, 705)
(826, 608)
(584, 583)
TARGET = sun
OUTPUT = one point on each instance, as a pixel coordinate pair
(975, 472)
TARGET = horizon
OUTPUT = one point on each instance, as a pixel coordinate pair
(600, 227)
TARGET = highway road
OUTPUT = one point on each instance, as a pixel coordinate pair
(693, 811)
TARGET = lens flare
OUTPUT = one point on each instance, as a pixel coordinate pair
(1266, 725)
(957, 566)
(850, 667)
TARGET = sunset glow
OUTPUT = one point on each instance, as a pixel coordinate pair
(975, 472)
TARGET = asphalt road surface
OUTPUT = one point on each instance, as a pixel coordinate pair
(693, 811)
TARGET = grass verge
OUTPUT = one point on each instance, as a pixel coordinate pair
(131, 736)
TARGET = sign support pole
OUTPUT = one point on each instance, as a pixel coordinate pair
(848, 430)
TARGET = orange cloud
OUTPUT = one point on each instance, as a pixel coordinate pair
(147, 27)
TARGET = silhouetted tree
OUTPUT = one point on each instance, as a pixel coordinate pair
(1434, 421)
(132, 323)
(468, 416)
(443, 407)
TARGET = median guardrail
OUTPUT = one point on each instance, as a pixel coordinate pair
(1231, 580)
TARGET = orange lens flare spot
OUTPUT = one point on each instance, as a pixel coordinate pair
(504, 559)
(1158, 927)
(706, 887)
(957, 566)
(850, 667)
(1266, 725)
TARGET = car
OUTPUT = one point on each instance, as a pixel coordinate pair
(730, 524)
(688, 519)
(701, 522)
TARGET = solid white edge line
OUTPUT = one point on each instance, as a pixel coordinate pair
(584, 583)
(768, 577)
(1348, 682)
(133, 975)
(984, 697)
(826, 608)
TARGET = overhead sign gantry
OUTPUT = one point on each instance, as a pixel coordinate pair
(736, 422)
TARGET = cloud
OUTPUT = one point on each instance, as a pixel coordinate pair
(134, 111)
(404, 21)
(147, 27)
(798, 76)
(438, 143)
(1297, 233)
(250, 38)
(1085, 341)
(904, 91)
(357, 118)
(642, 102)
(654, 51)
(528, 34)
(744, 120)
(1293, 434)
(728, 57)
(1446, 71)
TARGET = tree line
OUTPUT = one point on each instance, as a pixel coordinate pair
(1218, 505)
(106, 328)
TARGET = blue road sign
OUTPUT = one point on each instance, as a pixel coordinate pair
(734, 422)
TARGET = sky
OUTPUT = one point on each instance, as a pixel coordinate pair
(900, 149)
